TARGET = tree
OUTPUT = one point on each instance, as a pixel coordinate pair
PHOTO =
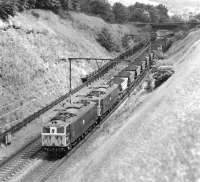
(65, 4)
(101, 9)
(74, 4)
(139, 5)
(154, 14)
(138, 14)
(163, 13)
(120, 13)
(84, 6)
(49, 4)
(25, 4)
(105, 39)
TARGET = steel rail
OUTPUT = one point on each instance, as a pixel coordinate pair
(9, 167)
(16, 163)
(48, 168)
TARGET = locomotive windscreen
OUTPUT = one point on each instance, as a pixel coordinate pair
(60, 130)
(46, 130)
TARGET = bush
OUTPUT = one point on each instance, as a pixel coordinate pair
(120, 12)
(105, 40)
(53, 5)
(100, 9)
(10, 7)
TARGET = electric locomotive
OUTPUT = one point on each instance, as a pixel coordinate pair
(68, 125)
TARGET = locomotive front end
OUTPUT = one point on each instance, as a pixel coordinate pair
(55, 138)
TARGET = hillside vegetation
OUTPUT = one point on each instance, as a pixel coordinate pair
(118, 13)
(33, 45)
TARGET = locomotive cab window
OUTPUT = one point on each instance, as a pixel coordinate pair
(45, 130)
(60, 130)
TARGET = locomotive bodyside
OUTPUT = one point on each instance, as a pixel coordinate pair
(86, 119)
(109, 99)
(104, 97)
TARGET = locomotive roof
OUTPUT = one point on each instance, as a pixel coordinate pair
(140, 60)
(123, 73)
(71, 112)
(98, 93)
(117, 80)
(132, 67)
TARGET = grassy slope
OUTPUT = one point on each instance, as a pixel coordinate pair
(158, 141)
(161, 142)
(30, 69)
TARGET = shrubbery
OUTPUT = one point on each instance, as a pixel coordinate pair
(101, 9)
(105, 40)
(122, 14)
(10, 7)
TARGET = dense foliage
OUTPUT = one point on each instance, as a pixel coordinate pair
(101, 9)
(117, 14)
(138, 12)
(120, 12)
(105, 39)
(10, 7)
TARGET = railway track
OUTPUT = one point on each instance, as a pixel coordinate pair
(48, 167)
(26, 156)
(19, 161)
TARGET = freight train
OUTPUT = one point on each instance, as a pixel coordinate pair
(72, 121)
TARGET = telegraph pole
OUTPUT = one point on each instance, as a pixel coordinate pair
(70, 79)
